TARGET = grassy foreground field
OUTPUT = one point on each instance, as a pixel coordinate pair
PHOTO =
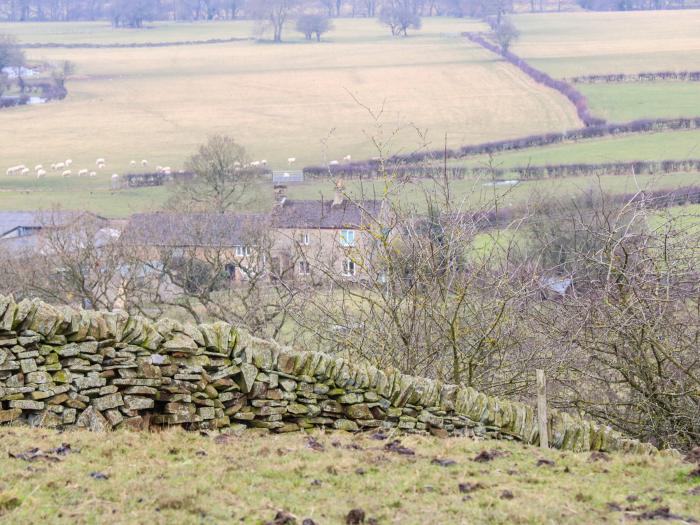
(280, 101)
(179, 477)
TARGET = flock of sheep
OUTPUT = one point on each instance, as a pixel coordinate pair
(64, 169)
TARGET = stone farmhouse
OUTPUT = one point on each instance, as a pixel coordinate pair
(297, 239)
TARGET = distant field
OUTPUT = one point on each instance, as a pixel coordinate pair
(279, 101)
(585, 43)
(95, 194)
(651, 146)
(630, 101)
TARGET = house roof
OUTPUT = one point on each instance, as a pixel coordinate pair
(192, 229)
(324, 214)
(11, 220)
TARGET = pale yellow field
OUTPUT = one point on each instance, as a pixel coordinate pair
(585, 43)
(279, 101)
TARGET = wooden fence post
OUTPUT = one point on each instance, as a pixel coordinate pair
(542, 408)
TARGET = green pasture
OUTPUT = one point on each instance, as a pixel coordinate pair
(648, 146)
(624, 102)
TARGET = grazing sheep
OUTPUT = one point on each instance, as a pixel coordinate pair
(100, 166)
(144, 163)
(60, 166)
(347, 158)
(334, 163)
(82, 173)
(291, 160)
(132, 163)
(263, 162)
(40, 173)
(38, 167)
(67, 173)
(69, 162)
(93, 174)
(25, 171)
(254, 164)
(100, 161)
(12, 170)
(236, 164)
(115, 176)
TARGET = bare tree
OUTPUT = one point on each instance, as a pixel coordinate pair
(276, 13)
(222, 183)
(506, 33)
(399, 17)
(313, 25)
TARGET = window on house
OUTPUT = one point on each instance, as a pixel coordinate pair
(304, 268)
(347, 237)
(240, 251)
(304, 239)
(348, 268)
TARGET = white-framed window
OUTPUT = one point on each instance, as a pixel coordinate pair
(241, 251)
(304, 268)
(347, 237)
(349, 268)
(304, 239)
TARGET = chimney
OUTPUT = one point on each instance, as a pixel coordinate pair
(338, 197)
(280, 194)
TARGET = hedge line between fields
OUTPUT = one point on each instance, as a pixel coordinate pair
(84, 45)
(621, 78)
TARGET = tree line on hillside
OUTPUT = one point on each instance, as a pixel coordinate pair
(133, 13)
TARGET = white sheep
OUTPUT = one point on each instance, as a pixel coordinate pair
(93, 174)
(115, 176)
(144, 163)
(263, 162)
(100, 161)
(25, 171)
(347, 158)
(69, 162)
(291, 160)
(11, 171)
(254, 164)
(334, 163)
(38, 167)
(83, 173)
(60, 166)
(67, 173)
(132, 163)
(40, 173)
(101, 166)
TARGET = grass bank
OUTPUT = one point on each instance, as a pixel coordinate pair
(179, 477)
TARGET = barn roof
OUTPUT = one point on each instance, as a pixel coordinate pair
(192, 229)
(324, 214)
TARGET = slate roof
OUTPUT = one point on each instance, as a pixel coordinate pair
(323, 214)
(11, 220)
(192, 229)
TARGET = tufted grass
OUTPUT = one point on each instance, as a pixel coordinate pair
(180, 477)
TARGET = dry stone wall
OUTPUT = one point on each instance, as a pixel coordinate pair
(61, 367)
